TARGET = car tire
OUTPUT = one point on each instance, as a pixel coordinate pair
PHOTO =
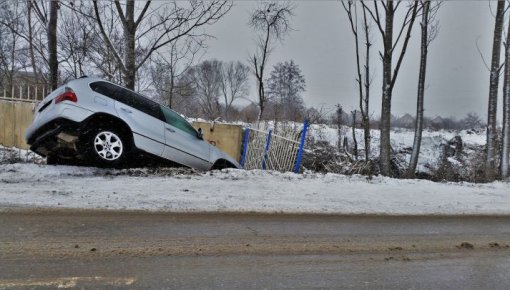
(107, 147)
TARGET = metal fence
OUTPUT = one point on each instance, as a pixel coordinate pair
(24, 93)
(265, 150)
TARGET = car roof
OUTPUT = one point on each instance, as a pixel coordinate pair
(97, 79)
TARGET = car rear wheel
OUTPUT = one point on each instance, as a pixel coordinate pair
(107, 147)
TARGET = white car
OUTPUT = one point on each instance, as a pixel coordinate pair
(93, 121)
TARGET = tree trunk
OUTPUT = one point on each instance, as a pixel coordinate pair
(129, 45)
(262, 97)
(490, 163)
(31, 42)
(363, 82)
(385, 146)
(339, 113)
(365, 111)
(355, 141)
(421, 90)
(505, 150)
(52, 44)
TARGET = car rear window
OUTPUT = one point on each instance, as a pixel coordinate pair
(106, 89)
(129, 98)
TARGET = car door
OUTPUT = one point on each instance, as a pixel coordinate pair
(145, 119)
(183, 144)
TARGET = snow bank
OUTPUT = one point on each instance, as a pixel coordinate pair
(31, 185)
(16, 155)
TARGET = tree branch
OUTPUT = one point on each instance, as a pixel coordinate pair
(106, 38)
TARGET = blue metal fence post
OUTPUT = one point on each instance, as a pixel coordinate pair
(245, 146)
(268, 141)
(301, 147)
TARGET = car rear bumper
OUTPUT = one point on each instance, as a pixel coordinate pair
(57, 136)
(63, 110)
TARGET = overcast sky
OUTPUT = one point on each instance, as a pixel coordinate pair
(322, 45)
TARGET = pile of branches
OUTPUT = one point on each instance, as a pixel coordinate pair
(325, 158)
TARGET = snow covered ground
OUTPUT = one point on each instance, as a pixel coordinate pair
(430, 151)
(178, 190)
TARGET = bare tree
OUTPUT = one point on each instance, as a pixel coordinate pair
(234, 83)
(386, 27)
(35, 24)
(271, 21)
(13, 45)
(37, 37)
(490, 162)
(52, 44)
(429, 31)
(205, 80)
(317, 115)
(471, 121)
(154, 28)
(505, 143)
(76, 43)
(169, 66)
(101, 56)
(351, 8)
(30, 37)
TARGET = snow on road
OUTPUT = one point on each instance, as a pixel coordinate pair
(32, 185)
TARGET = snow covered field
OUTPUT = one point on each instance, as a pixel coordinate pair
(402, 140)
(178, 190)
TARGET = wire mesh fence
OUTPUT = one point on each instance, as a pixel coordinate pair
(265, 150)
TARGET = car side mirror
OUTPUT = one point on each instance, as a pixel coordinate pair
(200, 135)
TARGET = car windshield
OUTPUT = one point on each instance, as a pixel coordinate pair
(174, 119)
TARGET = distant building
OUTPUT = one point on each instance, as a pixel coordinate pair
(437, 122)
(406, 121)
(22, 85)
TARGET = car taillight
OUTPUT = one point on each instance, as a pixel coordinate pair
(68, 95)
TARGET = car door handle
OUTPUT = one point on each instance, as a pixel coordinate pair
(170, 130)
(126, 110)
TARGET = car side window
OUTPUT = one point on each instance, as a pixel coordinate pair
(129, 98)
(143, 104)
(172, 118)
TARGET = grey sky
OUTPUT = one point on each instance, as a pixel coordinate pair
(322, 45)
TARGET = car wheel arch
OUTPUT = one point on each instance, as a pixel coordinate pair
(222, 164)
(111, 120)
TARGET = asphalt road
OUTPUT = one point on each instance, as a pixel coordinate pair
(97, 250)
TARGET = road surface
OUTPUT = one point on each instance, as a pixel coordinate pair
(94, 249)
